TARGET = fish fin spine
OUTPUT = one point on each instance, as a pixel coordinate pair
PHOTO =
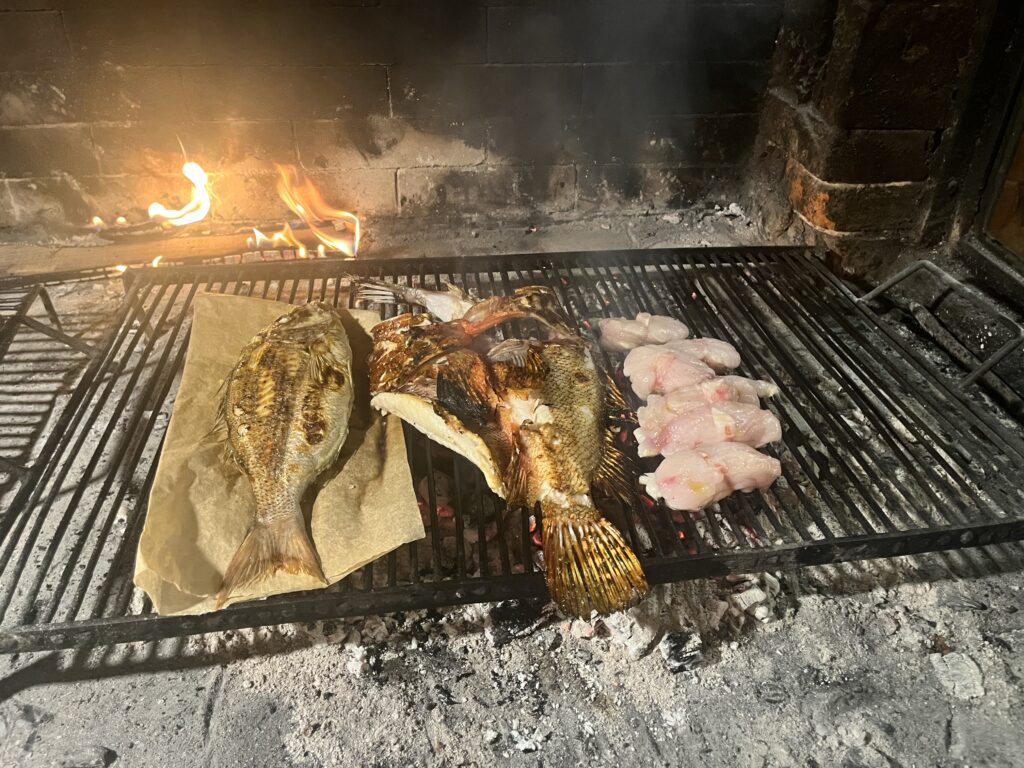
(616, 470)
(589, 566)
(282, 545)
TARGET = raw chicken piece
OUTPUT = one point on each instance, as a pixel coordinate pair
(738, 388)
(665, 431)
(719, 354)
(686, 481)
(619, 334)
(658, 369)
(744, 468)
(690, 480)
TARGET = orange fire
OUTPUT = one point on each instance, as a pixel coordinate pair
(305, 201)
(197, 207)
(283, 238)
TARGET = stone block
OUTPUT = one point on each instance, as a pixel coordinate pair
(154, 148)
(903, 71)
(658, 139)
(672, 88)
(835, 207)
(846, 155)
(465, 92)
(112, 93)
(377, 141)
(644, 187)
(486, 189)
(47, 151)
(37, 97)
(32, 40)
(631, 32)
(255, 93)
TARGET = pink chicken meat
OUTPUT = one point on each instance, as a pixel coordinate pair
(620, 334)
(718, 354)
(668, 431)
(654, 369)
(692, 479)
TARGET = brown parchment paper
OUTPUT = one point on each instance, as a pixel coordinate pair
(201, 505)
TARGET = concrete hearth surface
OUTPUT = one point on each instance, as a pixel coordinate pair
(904, 663)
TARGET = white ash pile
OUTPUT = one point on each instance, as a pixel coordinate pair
(677, 618)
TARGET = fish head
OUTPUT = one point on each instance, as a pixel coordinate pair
(307, 317)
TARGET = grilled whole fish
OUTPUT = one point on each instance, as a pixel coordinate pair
(532, 415)
(286, 409)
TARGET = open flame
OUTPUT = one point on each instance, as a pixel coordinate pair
(305, 201)
(197, 207)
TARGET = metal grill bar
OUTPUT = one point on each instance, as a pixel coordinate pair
(880, 455)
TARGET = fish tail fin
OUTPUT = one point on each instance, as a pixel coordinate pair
(589, 566)
(282, 545)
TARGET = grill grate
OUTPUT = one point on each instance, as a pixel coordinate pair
(880, 456)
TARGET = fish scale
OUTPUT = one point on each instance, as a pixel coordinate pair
(286, 408)
(531, 414)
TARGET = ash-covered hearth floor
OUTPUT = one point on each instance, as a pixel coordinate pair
(911, 662)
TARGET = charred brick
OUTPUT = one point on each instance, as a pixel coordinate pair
(154, 148)
(894, 207)
(470, 91)
(484, 189)
(219, 93)
(31, 41)
(47, 151)
(628, 31)
(717, 87)
(377, 141)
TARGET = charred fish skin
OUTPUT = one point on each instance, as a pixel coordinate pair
(286, 409)
(532, 415)
(588, 565)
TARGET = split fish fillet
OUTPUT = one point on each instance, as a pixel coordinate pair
(531, 414)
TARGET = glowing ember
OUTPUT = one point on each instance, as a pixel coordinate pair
(306, 202)
(121, 267)
(97, 222)
(197, 207)
(120, 221)
(155, 262)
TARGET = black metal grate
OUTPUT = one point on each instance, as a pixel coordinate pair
(881, 457)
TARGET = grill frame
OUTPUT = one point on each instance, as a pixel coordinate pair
(718, 291)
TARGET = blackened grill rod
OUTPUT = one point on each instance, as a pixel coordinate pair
(614, 305)
(737, 509)
(982, 421)
(122, 460)
(837, 428)
(672, 281)
(720, 330)
(882, 428)
(635, 508)
(41, 513)
(915, 421)
(644, 299)
(669, 282)
(28, 495)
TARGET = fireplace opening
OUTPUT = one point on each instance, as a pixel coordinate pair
(831, 191)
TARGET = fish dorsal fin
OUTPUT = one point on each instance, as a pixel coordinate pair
(616, 470)
(512, 351)
(517, 476)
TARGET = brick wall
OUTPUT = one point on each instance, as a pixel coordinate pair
(863, 103)
(407, 108)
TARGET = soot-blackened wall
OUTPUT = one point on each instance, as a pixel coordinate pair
(413, 108)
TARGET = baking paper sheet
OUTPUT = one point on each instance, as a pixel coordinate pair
(201, 504)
